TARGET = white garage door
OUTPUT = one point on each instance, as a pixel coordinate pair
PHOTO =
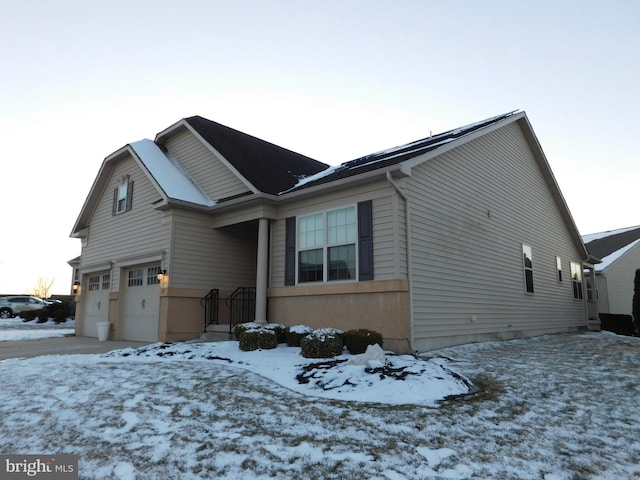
(96, 305)
(141, 304)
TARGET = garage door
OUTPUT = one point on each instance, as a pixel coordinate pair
(142, 304)
(96, 306)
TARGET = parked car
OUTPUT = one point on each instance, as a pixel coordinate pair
(12, 306)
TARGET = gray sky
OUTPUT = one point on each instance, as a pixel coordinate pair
(333, 80)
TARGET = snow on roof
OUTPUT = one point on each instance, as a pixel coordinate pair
(609, 259)
(596, 236)
(173, 180)
(314, 177)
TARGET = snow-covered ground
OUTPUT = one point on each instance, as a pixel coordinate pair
(15, 329)
(554, 407)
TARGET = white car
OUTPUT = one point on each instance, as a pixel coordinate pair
(12, 306)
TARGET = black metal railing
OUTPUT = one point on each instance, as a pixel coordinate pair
(210, 304)
(242, 306)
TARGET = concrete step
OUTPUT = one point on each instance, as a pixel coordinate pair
(217, 336)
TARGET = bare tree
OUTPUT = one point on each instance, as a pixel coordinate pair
(43, 287)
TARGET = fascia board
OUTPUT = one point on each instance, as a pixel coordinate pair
(550, 178)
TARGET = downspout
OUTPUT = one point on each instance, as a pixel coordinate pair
(407, 214)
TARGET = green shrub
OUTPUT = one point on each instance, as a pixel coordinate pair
(296, 333)
(322, 343)
(61, 315)
(258, 338)
(54, 307)
(28, 315)
(279, 329)
(43, 315)
(240, 328)
(357, 341)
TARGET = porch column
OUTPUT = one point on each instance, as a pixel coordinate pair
(262, 270)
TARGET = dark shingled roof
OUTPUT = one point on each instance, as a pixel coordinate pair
(605, 246)
(401, 153)
(270, 168)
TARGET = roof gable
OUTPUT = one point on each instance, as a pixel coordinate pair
(611, 245)
(268, 167)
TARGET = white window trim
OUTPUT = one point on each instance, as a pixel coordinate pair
(325, 247)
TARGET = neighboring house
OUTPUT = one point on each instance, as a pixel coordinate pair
(463, 236)
(619, 251)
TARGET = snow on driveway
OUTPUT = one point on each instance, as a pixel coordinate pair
(554, 407)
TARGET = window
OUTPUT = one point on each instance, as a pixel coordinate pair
(527, 259)
(559, 268)
(136, 277)
(106, 281)
(327, 246)
(576, 280)
(122, 197)
(152, 275)
(94, 282)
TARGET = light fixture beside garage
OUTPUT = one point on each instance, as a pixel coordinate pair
(162, 274)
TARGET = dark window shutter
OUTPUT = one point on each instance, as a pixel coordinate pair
(290, 252)
(114, 208)
(129, 195)
(365, 240)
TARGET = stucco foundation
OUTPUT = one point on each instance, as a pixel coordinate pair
(378, 305)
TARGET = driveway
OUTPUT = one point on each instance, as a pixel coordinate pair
(60, 346)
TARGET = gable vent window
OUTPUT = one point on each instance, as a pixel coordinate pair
(123, 197)
(527, 259)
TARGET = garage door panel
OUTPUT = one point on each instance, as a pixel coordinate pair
(96, 303)
(141, 304)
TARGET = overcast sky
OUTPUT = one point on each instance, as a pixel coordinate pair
(333, 80)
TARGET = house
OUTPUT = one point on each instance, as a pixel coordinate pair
(619, 251)
(459, 237)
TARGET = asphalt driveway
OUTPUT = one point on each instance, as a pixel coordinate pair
(60, 346)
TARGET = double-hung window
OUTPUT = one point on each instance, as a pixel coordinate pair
(327, 245)
(576, 280)
(122, 197)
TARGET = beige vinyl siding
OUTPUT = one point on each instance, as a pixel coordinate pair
(619, 285)
(213, 176)
(135, 233)
(205, 258)
(471, 210)
(388, 244)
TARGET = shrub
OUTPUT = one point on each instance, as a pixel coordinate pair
(60, 315)
(43, 315)
(357, 341)
(258, 338)
(54, 307)
(296, 333)
(28, 315)
(279, 329)
(322, 343)
(617, 323)
(239, 329)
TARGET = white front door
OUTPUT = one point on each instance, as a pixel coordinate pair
(141, 315)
